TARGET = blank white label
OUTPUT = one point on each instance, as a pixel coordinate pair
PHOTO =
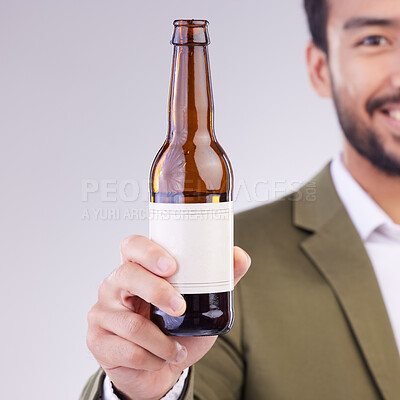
(200, 237)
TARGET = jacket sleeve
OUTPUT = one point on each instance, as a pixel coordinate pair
(93, 389)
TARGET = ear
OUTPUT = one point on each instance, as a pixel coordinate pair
(318, 70)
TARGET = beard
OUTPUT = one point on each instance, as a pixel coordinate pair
(363, 138)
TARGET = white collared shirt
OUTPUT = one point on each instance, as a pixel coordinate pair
(173, 394)
(380, 235)
(381, 238)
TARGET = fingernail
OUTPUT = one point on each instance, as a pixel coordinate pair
(164, 264)
(177, 303)
(182, 353)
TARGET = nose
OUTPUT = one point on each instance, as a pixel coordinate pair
(396, 80)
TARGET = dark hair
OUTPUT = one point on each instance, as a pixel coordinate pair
(317, 16)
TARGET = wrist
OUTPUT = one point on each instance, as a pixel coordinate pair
(172, 392)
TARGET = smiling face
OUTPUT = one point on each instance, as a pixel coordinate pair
(362, 74)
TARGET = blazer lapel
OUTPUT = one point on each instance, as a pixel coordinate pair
(338, 252)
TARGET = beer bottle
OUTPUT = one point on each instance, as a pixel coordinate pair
(190, 209)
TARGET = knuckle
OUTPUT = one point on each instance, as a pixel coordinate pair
(172, 351)
(133, 325)
(102, 289)
(120, 273)
(160, 364)
(162, 292)
(129, 241)
(94, 342)
(153, 251)
(91, 315)
(137, 355)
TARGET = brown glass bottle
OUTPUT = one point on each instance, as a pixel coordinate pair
(191, 167)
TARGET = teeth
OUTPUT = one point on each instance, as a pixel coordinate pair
(395, 114)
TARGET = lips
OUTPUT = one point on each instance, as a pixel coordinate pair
(389, 114)
(392, 111)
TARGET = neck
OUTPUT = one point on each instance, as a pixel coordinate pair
(383, 188)
(191, 103)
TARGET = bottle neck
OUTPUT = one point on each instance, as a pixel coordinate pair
(191, 103)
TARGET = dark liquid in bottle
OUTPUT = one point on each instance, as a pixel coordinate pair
(209, 314)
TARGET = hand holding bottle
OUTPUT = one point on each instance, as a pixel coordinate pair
(141, 361)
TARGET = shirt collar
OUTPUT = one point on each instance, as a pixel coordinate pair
(364, 212)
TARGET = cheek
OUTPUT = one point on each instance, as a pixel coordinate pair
(347, 79)
(356, 80)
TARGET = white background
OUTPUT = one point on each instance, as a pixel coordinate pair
(83, 97)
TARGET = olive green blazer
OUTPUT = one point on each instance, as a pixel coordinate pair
(310, 319)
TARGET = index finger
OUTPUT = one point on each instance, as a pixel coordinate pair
(148, 254)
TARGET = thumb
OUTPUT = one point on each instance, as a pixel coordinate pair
(241, 262)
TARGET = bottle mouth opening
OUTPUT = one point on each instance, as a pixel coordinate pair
(190, 32)
(191, 23)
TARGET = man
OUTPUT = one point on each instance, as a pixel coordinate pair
(318, 314)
